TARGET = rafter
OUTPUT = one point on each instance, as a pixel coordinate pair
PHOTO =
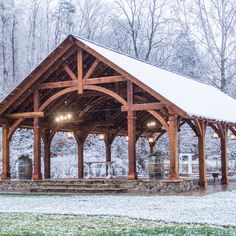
(91, 69)
(69, 72)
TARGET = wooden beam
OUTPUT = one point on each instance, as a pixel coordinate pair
(202, 154)
(80, 70)
(143, 107)
(224, 155)
(91, 69)
(131, 118)
(173, 143)
(47, 136)
(6, 174)
(37, 175)
(89, 81)
(14, 127)
(62, 84)
(104, 80)
(69, 72)
(25, 115)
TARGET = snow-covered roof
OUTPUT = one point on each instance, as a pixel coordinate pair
(195, 98)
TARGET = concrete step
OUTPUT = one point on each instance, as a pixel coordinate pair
(79, 185)
(77, 190)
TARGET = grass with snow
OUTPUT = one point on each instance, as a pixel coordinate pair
(50, 224)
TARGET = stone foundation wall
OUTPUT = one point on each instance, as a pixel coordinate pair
(17, 185)
(165, 186)
(132, 186)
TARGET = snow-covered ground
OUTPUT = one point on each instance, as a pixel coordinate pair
(218, 208)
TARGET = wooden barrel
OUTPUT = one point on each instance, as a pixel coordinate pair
(155, 168)
(25, 168)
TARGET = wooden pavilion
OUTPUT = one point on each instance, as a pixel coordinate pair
(107, 92)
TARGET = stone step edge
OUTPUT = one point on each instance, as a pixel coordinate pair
(77, 189)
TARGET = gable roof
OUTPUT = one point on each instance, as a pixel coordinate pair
(193, 97)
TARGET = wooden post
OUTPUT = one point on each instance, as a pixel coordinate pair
(224, 158)
(173, 142)
(132, 174)
(80, 70)
(47, 160)
(108, 142)
(201, 156)
(5, 154)
(81, 160)
(37, 175)
(80, 139)
(152, 145)
(47, 139)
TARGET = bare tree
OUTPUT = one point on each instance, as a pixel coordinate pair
(91, 18)
(212, 25)
(131, 20)
(4, 10)
(145, 23)
(64, 19)
(14, 44)
(34, 18)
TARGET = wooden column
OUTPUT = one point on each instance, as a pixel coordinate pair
(80, 70)
(108, 142)
(81, 160)
(201, 156)
(152, 145)
(47, 140)
(5, 153)
(173, 142)
(224, 158)
(80, 139)
(37, 175)
(132, 173)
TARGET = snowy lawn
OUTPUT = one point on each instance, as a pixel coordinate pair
(216, 209)
(46, 224)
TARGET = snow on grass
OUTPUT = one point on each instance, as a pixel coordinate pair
(48, 224)
(216, 209)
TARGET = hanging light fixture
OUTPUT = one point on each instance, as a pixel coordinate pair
(70, 135)
(63, 118)
(215, 135)
(151, 140)
(151, 124)
(101, 136)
